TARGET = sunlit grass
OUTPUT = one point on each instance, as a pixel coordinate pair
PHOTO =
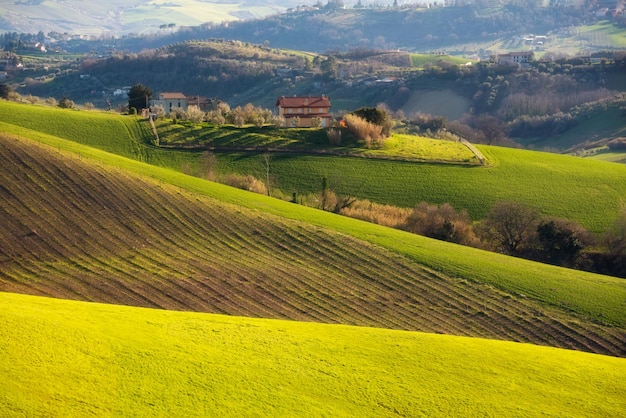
(65, 358)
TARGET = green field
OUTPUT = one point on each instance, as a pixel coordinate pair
(608, 123)
(604, 34)
(65, 358)
(420, 60)
(589, 192)
(79, 222)
(596, 297)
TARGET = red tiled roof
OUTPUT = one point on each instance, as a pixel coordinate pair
(296, 101)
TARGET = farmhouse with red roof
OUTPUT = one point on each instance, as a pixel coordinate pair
(300, 111)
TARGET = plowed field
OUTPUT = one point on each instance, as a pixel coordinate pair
(78, 230)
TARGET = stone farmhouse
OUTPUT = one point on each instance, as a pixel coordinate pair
(299, 111)
(169, 101)
(173, 100)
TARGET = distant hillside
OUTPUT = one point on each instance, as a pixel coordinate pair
(406, 27)
(122, 17)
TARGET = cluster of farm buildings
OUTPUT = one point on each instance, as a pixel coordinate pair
(297, 111)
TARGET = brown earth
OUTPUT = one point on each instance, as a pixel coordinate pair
(74, 229)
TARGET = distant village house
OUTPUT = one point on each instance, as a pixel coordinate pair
(516, 57)
(300, 111)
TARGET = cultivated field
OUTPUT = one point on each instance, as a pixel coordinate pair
(78, 228)
(62, 358)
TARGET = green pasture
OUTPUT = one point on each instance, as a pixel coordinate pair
(600, 298)
(420, 60)
(600, 31)
(587, 191)
(65, 358)
(311, 140)
(602, 124)
(615, 157)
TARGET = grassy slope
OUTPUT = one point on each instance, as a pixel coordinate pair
(558, 185)
(309, 140)
(62, 357)
(159, 248)
(599, 125)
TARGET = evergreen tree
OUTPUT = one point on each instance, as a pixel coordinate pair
(139, 97)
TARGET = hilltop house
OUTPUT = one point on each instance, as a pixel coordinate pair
(300, 111)
(169, 101)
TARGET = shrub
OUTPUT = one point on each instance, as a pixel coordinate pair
(5, 90)
(441, 222)
(177, 113)
(66, 103)
(424, 122)
(364, 130)
(376, 116)
(387, 215)
(194, 114)
(215, 117)
(561, 241)
(334, 136)
(247, 182)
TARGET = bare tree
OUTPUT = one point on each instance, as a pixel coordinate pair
(509, 225)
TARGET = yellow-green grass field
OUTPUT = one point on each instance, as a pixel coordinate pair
(66, 358)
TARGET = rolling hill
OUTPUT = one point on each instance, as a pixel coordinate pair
(81, 229)
(119, 18)
(589, 192)
(63, 358)
(79, 224)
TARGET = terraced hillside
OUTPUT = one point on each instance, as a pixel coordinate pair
(76, 229)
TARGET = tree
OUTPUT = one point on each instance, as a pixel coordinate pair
(5, 91)
(561, 241)
(329, 68)
(194, 114)
(508, 226)
(377, 116)
(139, 97)
(66, 103)
(613, 259)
